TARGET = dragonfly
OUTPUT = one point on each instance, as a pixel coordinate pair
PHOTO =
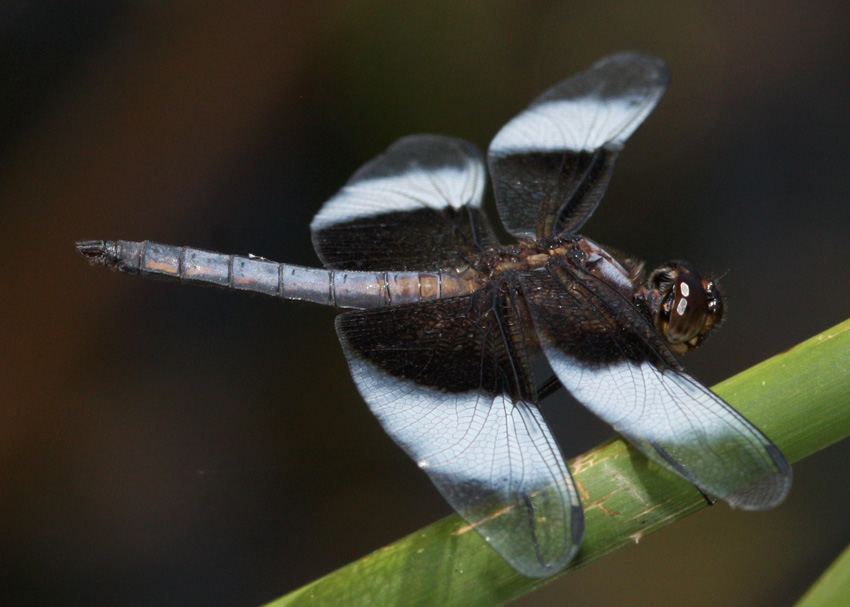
(443, 323)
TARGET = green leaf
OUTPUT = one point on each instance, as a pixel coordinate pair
(833, 587)
(800, 399)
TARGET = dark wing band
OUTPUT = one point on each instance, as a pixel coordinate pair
(551, 164)
(415, 207)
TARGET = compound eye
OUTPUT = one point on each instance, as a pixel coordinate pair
(689, 309)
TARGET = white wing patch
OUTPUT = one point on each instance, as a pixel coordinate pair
(630, 395)
(682, 426)
(414, 189)
(493, 460)
(583, 124)
(471, 436)
(600, 107)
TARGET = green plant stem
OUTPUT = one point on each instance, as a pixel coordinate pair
(833, 587)
(800, 399)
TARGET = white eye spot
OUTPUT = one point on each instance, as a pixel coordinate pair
(682, 306)
(684, 289)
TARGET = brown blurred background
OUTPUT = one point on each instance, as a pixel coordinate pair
(167, 445)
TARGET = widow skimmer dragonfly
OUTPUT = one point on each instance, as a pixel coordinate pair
(445, 321)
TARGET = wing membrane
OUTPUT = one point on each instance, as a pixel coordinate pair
(623, 372)
(415, 207)
(551, 164)
(487, 450)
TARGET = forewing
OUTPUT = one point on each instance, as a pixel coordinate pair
(415, 207)
(551, 164)
(431, 373)
(610, 358)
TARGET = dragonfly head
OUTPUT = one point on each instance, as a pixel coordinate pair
(685, 307)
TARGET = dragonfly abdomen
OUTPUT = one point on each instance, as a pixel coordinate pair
(340, 288)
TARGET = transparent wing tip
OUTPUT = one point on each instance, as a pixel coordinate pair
(768, 493)
(548, 553)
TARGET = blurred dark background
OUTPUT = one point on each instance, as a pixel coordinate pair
(167, 445)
